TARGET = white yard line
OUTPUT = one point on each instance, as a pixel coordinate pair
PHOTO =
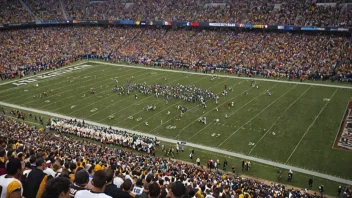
(156, 104)
(226, 76)
(171, 106)
(338, 131)
(168, 108)
(42, 73)
(123, 108)
(43, 81)
(154, 114)
(255, 116)
(30, 98)
(185, 112)
(252, 100)
(99, 101)
(283, 113)
(197, 146)
(135, 102)
(230, 114)
(213, 109)
(310, 126)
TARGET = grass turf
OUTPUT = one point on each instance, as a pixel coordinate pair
(294, 125)
(258, 170)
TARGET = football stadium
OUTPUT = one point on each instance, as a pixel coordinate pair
(176, 98)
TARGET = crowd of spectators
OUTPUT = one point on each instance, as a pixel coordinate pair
(238, 11)
(270, 12)
(299, 55)
(13, 12)
(53, 163)
(45, 9)
(75, 9)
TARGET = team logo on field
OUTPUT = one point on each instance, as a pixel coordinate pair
(49, 75)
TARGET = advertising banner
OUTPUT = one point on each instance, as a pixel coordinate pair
(223, 25)
(127, 22)
(181, 24)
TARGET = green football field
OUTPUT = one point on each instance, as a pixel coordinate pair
(296, 125)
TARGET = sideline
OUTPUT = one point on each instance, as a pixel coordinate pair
(267, 182)
(226, 76)
(212, 149)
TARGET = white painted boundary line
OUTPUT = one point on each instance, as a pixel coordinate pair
(42, 73)
(256, 115)
(283, 113)
(245, 78)
(263, 93)
(195, 106)
(49, 85)
(156, 104)
(90, 104)
(138, 101)
(230, 114)
(106, 77)
(171, 106)
(310, 126)
(197, 146)
(46, 85)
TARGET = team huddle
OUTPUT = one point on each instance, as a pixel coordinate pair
(187, 93)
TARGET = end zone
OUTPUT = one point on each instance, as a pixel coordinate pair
(45, 75)
(343, 139)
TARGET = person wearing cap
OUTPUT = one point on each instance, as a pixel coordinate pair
(97, 190)
(11, 186)
(80, 182)
(177, 190)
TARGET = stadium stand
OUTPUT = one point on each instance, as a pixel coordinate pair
(67, 157)
(262, 12)
(13, 12)
(270, 12)
(269, 54)
(75, 9)
(45, 9)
